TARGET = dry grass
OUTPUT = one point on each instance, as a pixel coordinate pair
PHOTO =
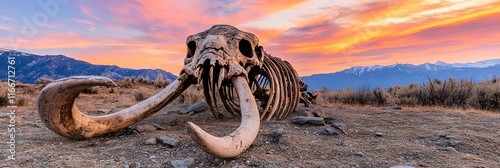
(129, 92)
(191, 95)
(4, 100)
(450, 93)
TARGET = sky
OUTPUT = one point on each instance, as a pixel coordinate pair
(315, 36)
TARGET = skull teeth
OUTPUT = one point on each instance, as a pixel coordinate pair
(212, 79)
(222, 75)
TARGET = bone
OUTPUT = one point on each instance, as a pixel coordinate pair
(272, 95)
(295, 83)
(208, 90)
(287, 83)
(58, 111)
(214, 60)
(214, 72)
(232, 99)
(224, 100)
(237, 142)
(276, 88)
(285, 86)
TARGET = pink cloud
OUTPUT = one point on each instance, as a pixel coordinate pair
(331, 39)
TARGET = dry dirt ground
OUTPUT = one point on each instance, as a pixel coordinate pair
(375, 138)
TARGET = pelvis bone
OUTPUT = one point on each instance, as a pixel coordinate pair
(227, 62)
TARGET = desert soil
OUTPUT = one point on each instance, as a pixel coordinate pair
(375, 137)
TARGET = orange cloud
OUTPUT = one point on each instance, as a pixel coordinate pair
(275, 6)
(316, 36)
(375, 21)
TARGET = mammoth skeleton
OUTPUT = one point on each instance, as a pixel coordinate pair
(227, 62)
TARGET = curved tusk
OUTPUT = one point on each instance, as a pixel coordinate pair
(238, 141)
(58, 111)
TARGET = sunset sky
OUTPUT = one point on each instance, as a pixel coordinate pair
(316, 36)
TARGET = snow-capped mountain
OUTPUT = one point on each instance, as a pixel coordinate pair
(403, 74)
(30, 67)
(479, 64)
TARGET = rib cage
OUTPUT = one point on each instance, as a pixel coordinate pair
(275, 85)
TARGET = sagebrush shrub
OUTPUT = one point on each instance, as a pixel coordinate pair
(484, 95)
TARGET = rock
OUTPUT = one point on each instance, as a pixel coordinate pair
(330, 131)
(122, 159)
(451, 149)
(182, 163)
(442, 135)
(277, 136)
(145, 128)
(392, 108)
(406, 165)
(360, 154)
(2, 115)
(136, 164)
(105, 111)
(453, 143)
(283, 139)
(151, 141)
(449, 137)
(402, 166)
(158, 127)
(173, 123)
(165, 140)
(195, 108)
(301, 120)
(33, 124)
(378, 134)
(336, 124)
(253, 162)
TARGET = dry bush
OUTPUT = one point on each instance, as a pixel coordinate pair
(91, 90)
(486, 95)
(381, 97)
(127, 82)
(43, 81)
(139, 95)
(21, 101)
(448, 93)
(325, 95)
(4, 94)
(406, 95)
(459, 93)
(191, 95)
(159, 82)
(31, 89)
(362, 96)
(144, 81)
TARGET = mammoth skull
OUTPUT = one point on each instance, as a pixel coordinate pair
(227, 62)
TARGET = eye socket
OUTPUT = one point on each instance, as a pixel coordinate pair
(191, 48)
(245, 48)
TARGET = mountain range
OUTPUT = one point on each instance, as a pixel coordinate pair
(403, 74)
(30, 67)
